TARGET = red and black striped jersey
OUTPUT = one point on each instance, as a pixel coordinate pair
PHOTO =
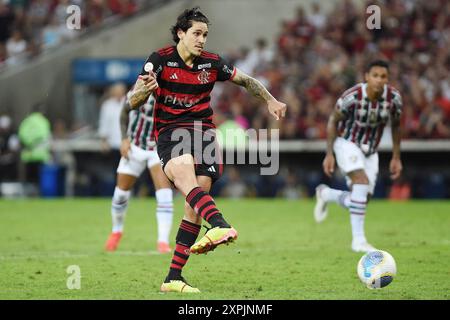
(183, 95)
(365, 120)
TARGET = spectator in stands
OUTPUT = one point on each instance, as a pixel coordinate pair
(257, 58)
(37, 15)
(16, 47)
(109, 123)
(51, 34)
(35, 135)
(317, 61)
(317, 19)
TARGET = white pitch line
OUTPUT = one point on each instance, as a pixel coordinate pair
(136, 253)
(66, 254)
(38, 255)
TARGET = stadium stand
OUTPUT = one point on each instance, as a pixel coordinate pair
(317, 56)
(30, 27)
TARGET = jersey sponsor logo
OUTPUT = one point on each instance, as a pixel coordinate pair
(174, 76)
(172, 64)
(205, 65)
(203, 77)
(185, 102)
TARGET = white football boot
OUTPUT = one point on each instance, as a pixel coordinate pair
(320, 210)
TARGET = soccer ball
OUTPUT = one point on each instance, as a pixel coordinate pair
(376, 269)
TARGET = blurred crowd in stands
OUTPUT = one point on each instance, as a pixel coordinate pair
(28, 27)
(317, 56)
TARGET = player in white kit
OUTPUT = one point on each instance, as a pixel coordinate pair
(353, 133)
(138, 150)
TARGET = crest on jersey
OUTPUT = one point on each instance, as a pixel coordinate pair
(373, 116)
(203, 77)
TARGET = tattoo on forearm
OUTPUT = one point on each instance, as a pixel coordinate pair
(255, 88)
(139, 96)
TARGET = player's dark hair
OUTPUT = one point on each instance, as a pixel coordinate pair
(377, 63)
(184, 21)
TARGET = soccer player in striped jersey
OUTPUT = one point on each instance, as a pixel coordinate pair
(354, 131)
(138, 152)
(182, 77)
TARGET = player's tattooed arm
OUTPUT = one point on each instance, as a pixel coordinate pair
(252, 85)
(257, 89)
(143, 88)
(124, 119)
(139, 94)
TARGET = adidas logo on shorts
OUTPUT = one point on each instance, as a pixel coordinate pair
(211, 169)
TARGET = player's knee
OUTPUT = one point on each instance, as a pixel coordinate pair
(359, 177)
(121, 196)
(185, 181)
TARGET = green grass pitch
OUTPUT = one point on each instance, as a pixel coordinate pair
(281, 253)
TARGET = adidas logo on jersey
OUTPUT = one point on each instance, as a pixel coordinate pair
(174, 77)
(212, 169)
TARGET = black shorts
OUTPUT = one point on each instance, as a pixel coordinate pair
(201, 144)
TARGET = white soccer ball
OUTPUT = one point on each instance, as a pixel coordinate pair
(376, 269)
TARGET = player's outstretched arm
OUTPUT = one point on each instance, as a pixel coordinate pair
(329, 161)
(256, 88)
(143, 88)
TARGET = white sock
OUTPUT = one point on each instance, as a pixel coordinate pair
(358, 203)
(338, 196)
(119, 208)
(164, 213)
